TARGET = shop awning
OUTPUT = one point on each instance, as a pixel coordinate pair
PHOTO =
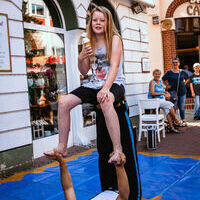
(148, 3)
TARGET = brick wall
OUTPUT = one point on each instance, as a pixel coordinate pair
(175, 4)
(168, 37)
(169, 48)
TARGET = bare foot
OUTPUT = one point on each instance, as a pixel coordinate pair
(57, 156)
(117, 157)
(62, 149)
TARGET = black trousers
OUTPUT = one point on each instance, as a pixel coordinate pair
(104, 146)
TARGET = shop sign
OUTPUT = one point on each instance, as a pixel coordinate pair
(145, 65)
(194, 8)
(5, 60)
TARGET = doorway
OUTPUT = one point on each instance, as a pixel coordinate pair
(187, 44)
(188, 41)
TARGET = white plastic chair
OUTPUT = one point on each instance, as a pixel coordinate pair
(150, 119)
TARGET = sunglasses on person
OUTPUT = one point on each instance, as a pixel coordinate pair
(175, 62)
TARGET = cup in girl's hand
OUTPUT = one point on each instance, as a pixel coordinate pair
(86, 42)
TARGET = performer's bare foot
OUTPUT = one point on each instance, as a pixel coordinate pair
(61, 148)
(117, 157)
(57, 156)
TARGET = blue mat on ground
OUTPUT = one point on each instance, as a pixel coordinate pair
(175, 178)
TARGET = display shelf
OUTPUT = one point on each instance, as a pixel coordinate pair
(39, 87)
(45, 105)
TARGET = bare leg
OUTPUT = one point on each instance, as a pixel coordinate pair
(112, 123)
(173, 114)
(65, 104)
(169, 118)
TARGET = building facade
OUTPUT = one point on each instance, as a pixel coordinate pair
(174, 27)
(41, 41)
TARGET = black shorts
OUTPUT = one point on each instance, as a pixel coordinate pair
(89, 95)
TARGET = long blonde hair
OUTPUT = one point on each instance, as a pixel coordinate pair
(110, 30)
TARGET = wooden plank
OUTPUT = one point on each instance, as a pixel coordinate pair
(138, 78)
(15, 139)
(17, 47)
(16, 29)
(11, 84)
(132, 67)
(137, 89)
(133, 100)
(133, 111)
(14, 102)
(15, 120)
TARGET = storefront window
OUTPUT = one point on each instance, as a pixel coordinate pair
(191, 25)
(37, 9)
(42, 12)
(45, 61)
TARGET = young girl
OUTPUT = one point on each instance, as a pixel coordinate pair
(107, 82)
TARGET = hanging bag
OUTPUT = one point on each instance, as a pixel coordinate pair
(174, 93)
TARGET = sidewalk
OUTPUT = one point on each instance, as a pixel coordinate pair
(187, 142)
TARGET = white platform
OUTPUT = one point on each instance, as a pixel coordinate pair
(106, 195)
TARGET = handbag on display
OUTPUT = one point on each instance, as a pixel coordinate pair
(174, 93)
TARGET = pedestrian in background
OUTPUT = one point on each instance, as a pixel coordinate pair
(195, 89)
(189, 73)
(175, 80)
(156, 90)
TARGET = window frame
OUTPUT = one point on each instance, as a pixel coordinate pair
(36, 14)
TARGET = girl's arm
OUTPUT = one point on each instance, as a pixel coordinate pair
(152, 90)
(83, 59)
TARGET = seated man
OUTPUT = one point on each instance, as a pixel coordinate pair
(67, 185)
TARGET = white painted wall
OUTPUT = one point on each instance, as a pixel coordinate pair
(15, 128)
(155, 39)
(135, 48)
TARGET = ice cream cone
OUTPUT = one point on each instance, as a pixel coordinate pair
(86, 42)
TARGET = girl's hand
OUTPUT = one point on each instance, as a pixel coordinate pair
(103, 94)
(86, 52)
